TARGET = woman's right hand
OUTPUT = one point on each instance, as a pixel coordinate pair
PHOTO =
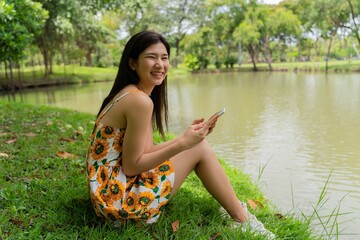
(197, 131)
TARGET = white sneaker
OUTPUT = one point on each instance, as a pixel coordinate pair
(252, 223)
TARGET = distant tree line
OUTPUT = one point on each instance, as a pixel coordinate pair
(201, 32)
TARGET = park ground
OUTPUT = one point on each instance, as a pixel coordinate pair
(43, 191)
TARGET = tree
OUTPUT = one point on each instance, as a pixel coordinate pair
(20, 22)
(283, 27)
(224, 17)
(178, 19)
(200, 47)
(330, 16)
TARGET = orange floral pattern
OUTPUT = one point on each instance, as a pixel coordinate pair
(165, 169)
(118, 197)
(166, 190)
(150, 179)
(107, 132)
(100, 149)
(118, 142)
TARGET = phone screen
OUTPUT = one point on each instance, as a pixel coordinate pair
(221, 112)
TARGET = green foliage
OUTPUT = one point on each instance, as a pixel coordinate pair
(192, 62)
(20, 22)
(230, 61)
(218, 63)
(94, 32)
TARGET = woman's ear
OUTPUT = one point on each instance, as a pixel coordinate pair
(132, 64)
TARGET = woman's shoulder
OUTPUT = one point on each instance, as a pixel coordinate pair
(136, 98)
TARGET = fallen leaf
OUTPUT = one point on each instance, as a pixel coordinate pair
(255, 203)
(4, 155)
(13, 140)
(259, 203)
(49, 123)
(175, 225)
(67, 139)
(214, 236)
(64, 155)
(17, 222)
(30, 134)
(252, 204)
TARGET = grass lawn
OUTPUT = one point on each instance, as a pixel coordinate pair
(43, 192)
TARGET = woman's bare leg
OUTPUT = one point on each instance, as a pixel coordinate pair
(203, 160)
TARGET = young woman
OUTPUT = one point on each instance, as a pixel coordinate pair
(131, 178)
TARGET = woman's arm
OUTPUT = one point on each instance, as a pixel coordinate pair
(156, 147)
(136, 156)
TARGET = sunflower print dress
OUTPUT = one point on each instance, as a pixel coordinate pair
(114, 195)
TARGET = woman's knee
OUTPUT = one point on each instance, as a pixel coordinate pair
(205, 149)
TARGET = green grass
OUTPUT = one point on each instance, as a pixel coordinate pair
(314, 66)
(43, 196)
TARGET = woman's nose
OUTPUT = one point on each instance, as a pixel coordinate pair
(159, 63)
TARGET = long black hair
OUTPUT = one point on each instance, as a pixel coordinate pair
(125, 76)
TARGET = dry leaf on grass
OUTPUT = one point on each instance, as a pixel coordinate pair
(175, 225)
(67, 139)
(255, 203)
(30, 134)
(4, 155)
(64, 155)
(260, 204)
(19, 223)
(214, 236)
(13, 140)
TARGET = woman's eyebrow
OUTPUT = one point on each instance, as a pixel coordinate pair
(153, 53)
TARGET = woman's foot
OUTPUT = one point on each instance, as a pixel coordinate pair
(252, 223)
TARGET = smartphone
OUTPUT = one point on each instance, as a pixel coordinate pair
(221, 112)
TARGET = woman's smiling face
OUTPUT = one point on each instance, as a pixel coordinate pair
(152, 65)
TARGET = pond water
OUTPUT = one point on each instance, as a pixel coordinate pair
(292, 132)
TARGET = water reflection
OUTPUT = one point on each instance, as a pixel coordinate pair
(302, 128)
(295, 130)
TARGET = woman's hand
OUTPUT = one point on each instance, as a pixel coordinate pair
(198, 131)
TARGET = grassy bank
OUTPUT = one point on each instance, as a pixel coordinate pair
(43, 192)
(318, 67)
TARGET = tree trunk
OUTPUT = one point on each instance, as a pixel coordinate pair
(177, 47)
(299, 50)
(354, 17)
(88, 58)
(12, 82)
(63, 57)
(252, 53)
(309, 54)
(51, 57)
(239, 54)
(267, 54)
(45, 52)
(19, 75)
(328, 54)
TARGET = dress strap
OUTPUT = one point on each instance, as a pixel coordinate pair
(116, 100)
